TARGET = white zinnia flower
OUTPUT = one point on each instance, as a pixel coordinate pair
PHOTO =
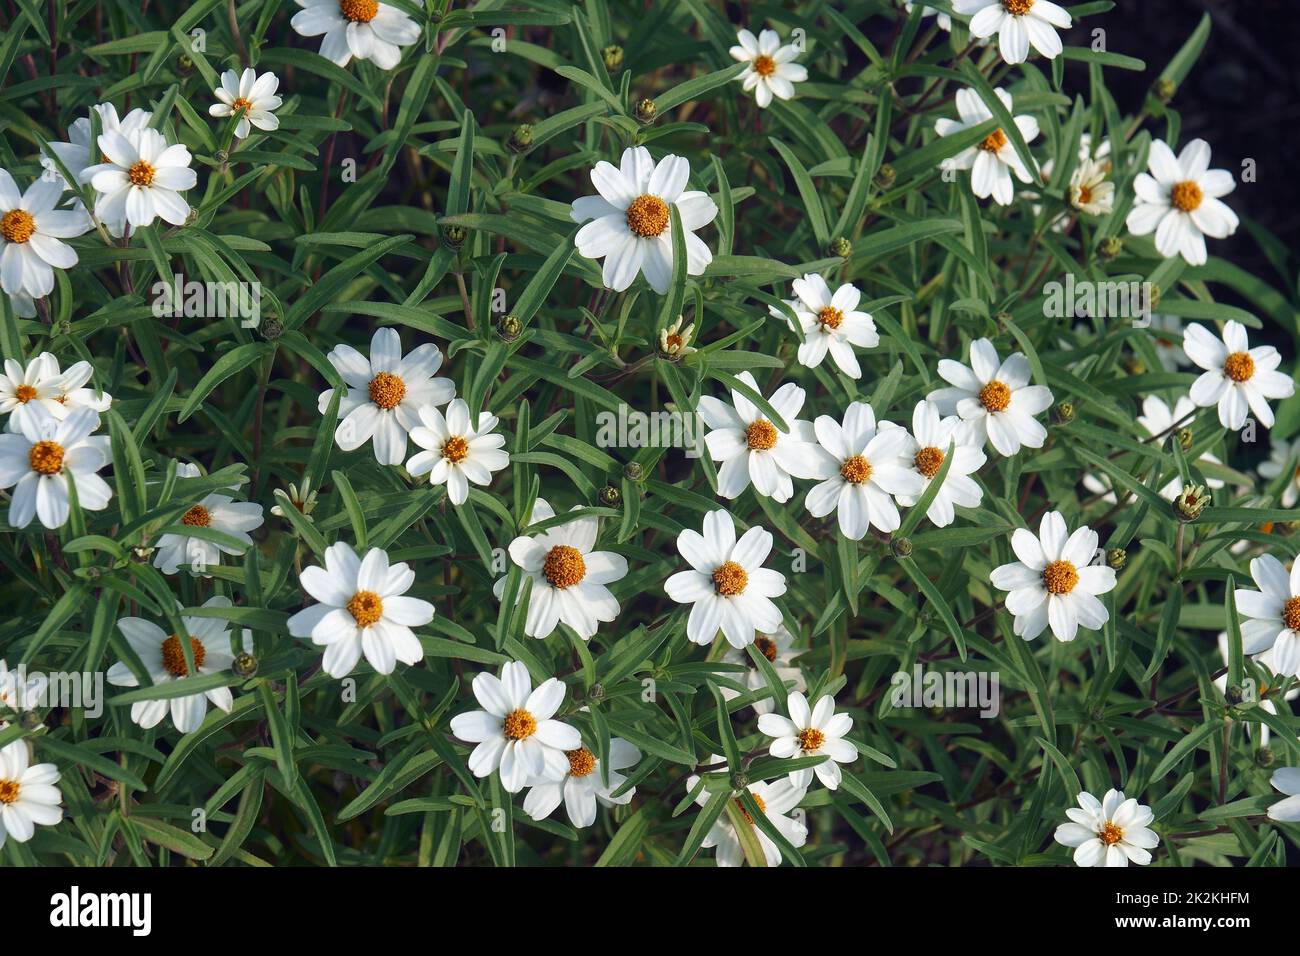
(1018, 24)
(457, 452)
(216, 511)
(1179, 201)
(41, 390)
(1108, 832)
(1089, 190)
(1264, 658)
(1281, 459)
(772, 70)
(776, 800)
(996, 399)
(926, 450)
(727, 585)
(778, 647)
(830, 322)
(43, 456)
(366, 29)
(1272, 613)
(163, 658)
(384, 394)
(751, 448)
(30, 233)
(584, 785)
(28, 795)
(1053, 584)
(863, 470)
(362, 609)
(1285, 780)
(142, 180)
(1237, 378)
(994, 158)
(570, 580)
(811, 733)
(629, 223)
(516, 730)
(249, 96)
(79, 154)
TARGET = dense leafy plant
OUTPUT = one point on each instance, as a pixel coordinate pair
(867, 207)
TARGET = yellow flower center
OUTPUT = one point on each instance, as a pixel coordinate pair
(764, 65)
(729, 579)
(581, 762)
(1239, 366)
(855, 470)
(564, 566)
(647, 215)
(519, 725)
(24, 393)
(766, 646)
(46, 458)
(1060, 577)
(241, 105)
(1291, 613)
(760, 435)
(830, 317)
(761, 805)
(994, 141)
(197, 517)
(810, 738)
(673, 342)
(8, 791)
(366, 607)
(1017, 8)
(1110, 834)
(1186, 196)
(995, 396)
(173, 655)
(387, 390)
(359, 11)
(17, 225)
(455, 449)
(928, 461)
(141, 174)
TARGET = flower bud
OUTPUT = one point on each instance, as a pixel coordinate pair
(1264, 757)
(740, 781)
(900, 546)
(1185, 438)
(244, 665)
(841, 247)
(1164, 90)
(1134, 365)
(509, 327)
(1064, 413)
(521, 138)
(646, 111)
(1109, 248)
(885, 176)
(272, 329)
(1116, 558)
(610, 496)
(633, 471)
(453, 237)
(613, 57)
(1191, 502)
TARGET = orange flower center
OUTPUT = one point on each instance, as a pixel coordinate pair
(1186, 196)
(995, 396)
(24, 393)
(1017, 8)
(197, 517)
(519, 725)
(455, 449)
(729, 579)
(8, 791)
(855, 470)
(764, 65)
(173, 655)
(46, 458)
(241, 105)
(760, 435)
(830, 317)
(581, 762)
(1291, 613)
(564, 566)
(766, 646)
(1239, 366)
(366, 607)
(387, 390)
(928, 461)
(17, 225)
(1060, 577)
(141, 174)
(359, 11)
(994, 141)
(761, 805)
(1110, 834)
(810, 738)
(647, 215)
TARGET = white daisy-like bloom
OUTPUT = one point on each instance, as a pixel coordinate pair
(1018, 25)
(772, 71)
(29, 795)
(1237, 378)
(927, 449)
(516, 731)
(814, 732)
(570, 580)
(994, 158)
(1282, 459)
(727, 586)
(249, 96)
(1286, 780)
(456, 452)
(584, 785)
(1167, 337)
(751, 448)
(629, 223)
(995, 398)
(216, 511)
(80, 154)
(1054, 584)
(42, 390)
(1267, 705)
(20, 691)
(1272, 614)
(778, 647)
(163, 658)
(31, 230)
(863, 469)
(1089, 190)
(944, 21)
(776, 800)
(1180, 201)
(40, 459)
(831, 323)
(363, 609)
(1112, 831)
(366, 29)
(142, 179)
(384, 394)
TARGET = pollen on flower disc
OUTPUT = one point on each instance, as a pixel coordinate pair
(1110, 834)
(1017, 8)
(197, 517)
(830, 317)
(855, 470)
(141, 174)
(764, 65)
(581, 762)
(766, 646)
(647, 215)
(8, 791)
(173, 655)
(761, 805)
(1239, 366)
(359, 11)
(1186, 196)
(1291, 613)
(17, 225)
(46, 458)
(994, 141)
(455, 449)
(519, 725)
(1060, 577)
(729, 579)
(24, 393)
(760, 435)
(995, 396)
(366, 608)
(387, 390)
(928, 461)
(564, 566)
(810, 738)
(241, 105)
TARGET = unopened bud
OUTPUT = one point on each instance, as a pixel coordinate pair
(1185, 438)
(453, 236)
(245, 665)
(1116, 558)
(1191, 502)
(901, 547)
(610, 496)
(633, 471)
(1064, 413)
(841, 247)
(646, 111)
(613, 57)
(1164, 90)
(885, 176)
(509, 327)
(272, 329)
(521, 138)
(1109, 248)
